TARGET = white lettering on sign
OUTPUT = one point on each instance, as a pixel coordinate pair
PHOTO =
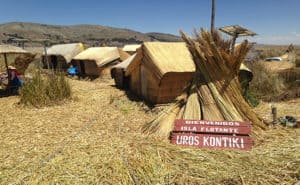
(205, 141)
(204, 122)
(213, 141)
(225, 141)
(242, 143)
(213, 129)
(218, 142)
(222, 127)
(235, 143)
(188, 140)
(219, 129)
(188, 128)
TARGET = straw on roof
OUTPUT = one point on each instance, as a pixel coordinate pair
(68, 51)
(131, 47)
(236, 29)
(11, 49)
(125, 63)
(101, 55)
(123, 54)
(117, 72)
(165, 57)
(170, 57)
(245, 68)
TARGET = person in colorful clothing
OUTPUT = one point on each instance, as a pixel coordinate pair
(14, 81)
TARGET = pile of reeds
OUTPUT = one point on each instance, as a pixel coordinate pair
(22, 62)
(214, 93)
(45, 90)
(266, 83)
(91, 141)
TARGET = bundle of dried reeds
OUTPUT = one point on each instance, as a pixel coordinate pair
(22, 62)
(214, 93)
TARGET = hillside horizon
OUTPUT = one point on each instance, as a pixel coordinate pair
(35, 33)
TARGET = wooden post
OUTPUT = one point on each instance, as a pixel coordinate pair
(6, 64)
(46, 56)
(274, 113)
(8, 74)
(233, 42)
(212, 26)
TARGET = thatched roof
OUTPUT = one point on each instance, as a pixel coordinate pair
(245, 68)
(170, 57)
(236, 29)
(123, 54)
(68, 51)
(125, 63)
(131, 47)
(165, 57)
(11, 49)
(101, 55)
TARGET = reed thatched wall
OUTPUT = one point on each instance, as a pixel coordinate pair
(90, 68)
(173, 85)
(135, 81)
(118, 75)
(61, 63)
(145, 84)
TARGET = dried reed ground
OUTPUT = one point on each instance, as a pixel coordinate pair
(95, 139)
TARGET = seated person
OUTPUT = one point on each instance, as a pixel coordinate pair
(14, 82)
(73, 70)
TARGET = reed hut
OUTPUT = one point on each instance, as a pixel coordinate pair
(15, 56)
(131, 48)
(97, 61)
(118, 73)
(214, 92)
(59, 56)
(160, 71)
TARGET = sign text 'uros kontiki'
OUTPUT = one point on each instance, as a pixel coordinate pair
(212, 134)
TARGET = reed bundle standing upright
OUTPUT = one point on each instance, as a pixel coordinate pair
(214, 93)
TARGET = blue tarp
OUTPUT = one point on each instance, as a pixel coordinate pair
(73, 70)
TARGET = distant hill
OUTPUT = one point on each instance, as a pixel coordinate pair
(93, 35)
(164, 37)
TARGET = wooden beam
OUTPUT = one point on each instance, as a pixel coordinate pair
(46, 56)
(5, 60)
(212, 26)
(234, 37)
(7, 71)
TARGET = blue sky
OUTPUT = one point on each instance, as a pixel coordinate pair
(276, 21)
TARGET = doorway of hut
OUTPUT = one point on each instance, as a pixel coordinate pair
(54, 61)
(82, 68)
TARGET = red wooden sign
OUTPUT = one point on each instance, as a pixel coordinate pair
(212, 141)
(215, 123)
(212, 134)
(221, 127)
